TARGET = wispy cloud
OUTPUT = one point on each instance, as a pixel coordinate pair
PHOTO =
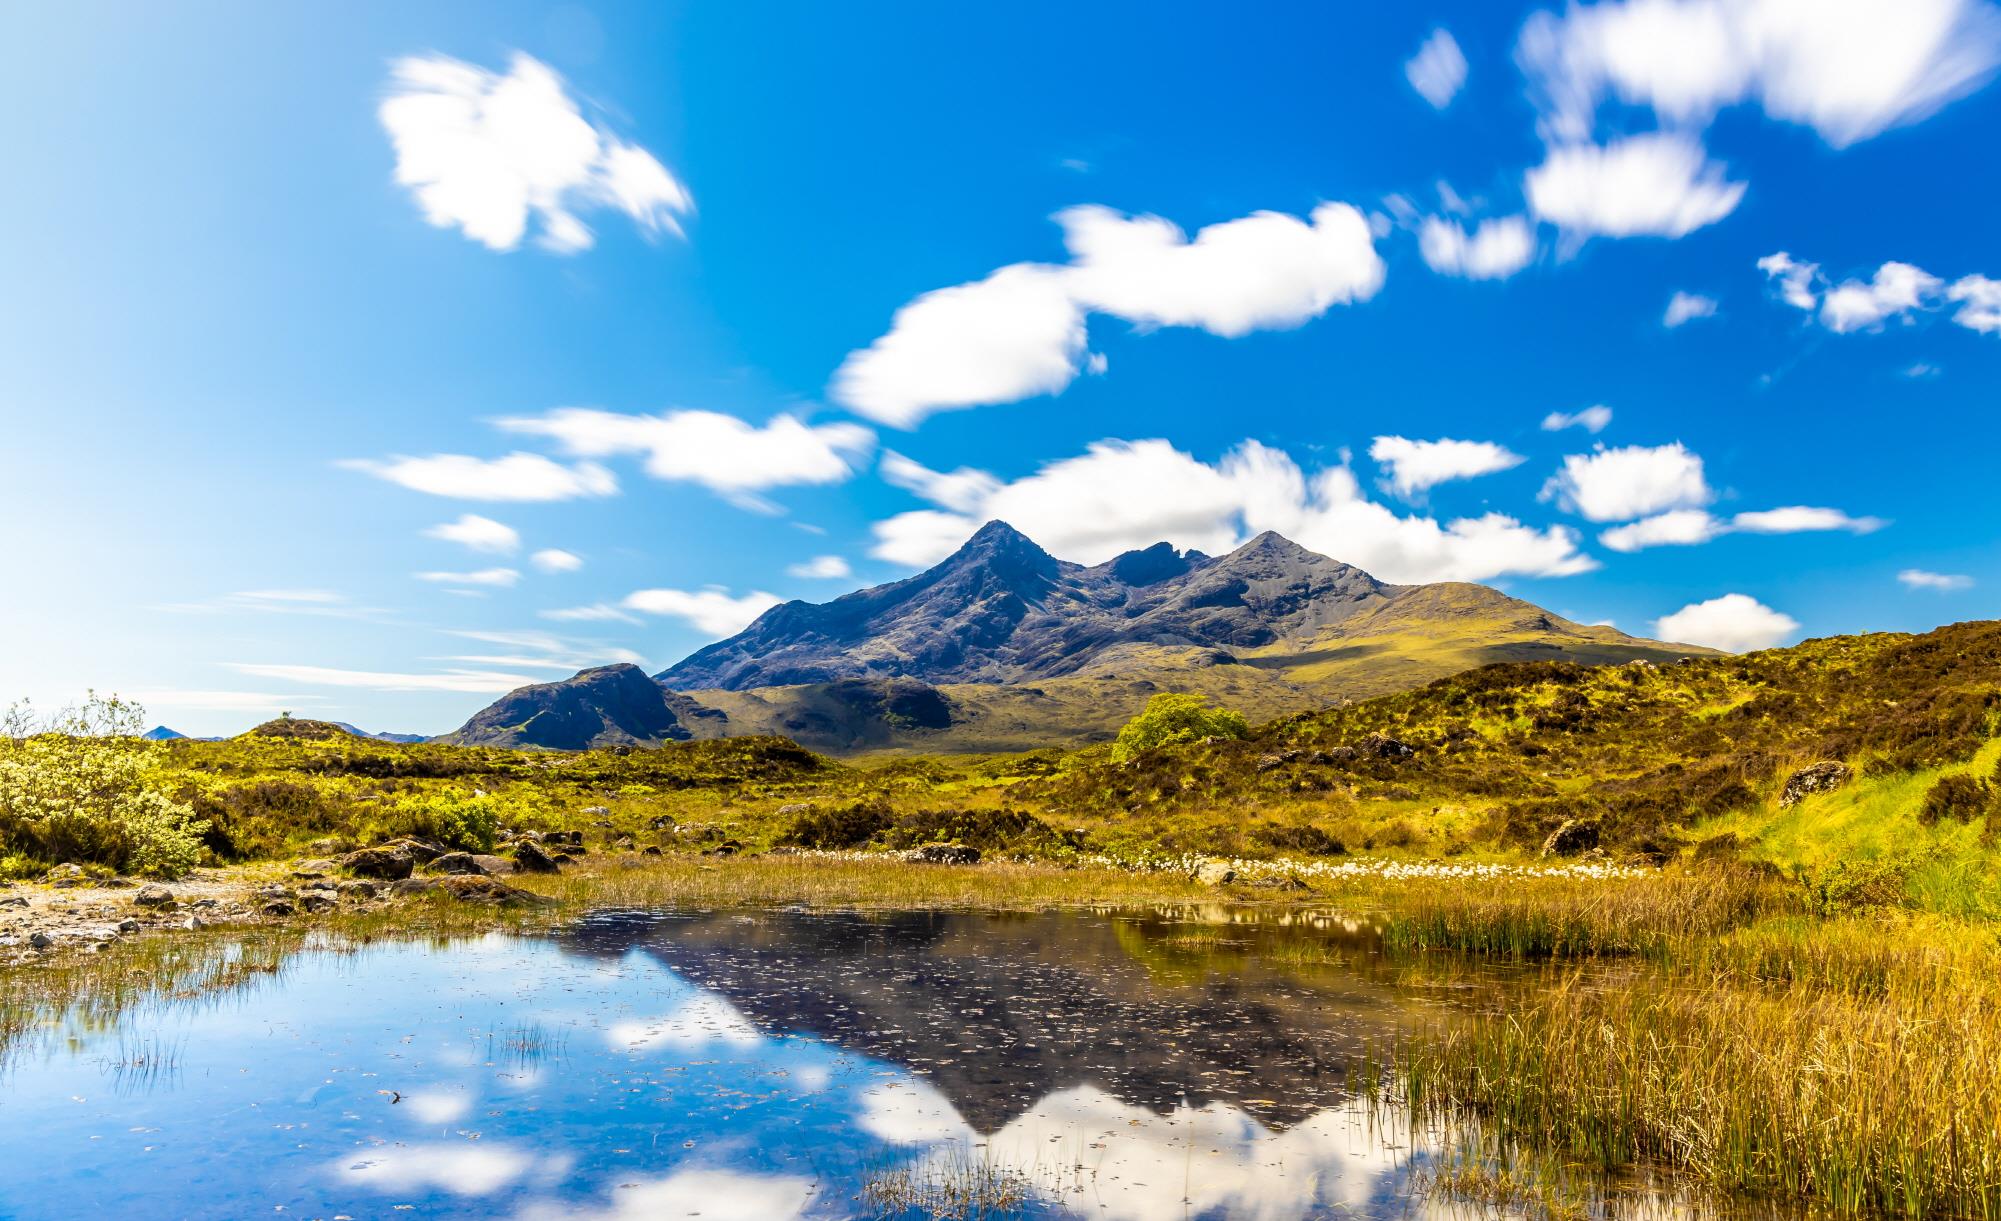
(518, 477)
(1939, 582)
(479, 682)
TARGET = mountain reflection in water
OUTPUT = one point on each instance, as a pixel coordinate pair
(748, 1067)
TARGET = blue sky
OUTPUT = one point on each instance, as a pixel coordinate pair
(1161, 274)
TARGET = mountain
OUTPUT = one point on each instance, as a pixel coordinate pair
(404, 738)
(160, 733)
(1003, 610)
(608, 706)
(1002, 646)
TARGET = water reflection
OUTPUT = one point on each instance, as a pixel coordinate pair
(637, 1065)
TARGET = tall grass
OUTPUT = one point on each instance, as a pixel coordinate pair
(1854, 1065)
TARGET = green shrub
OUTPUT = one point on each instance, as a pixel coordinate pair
(93, 800)
(467, 822)
(848, 826)
(1171, 717)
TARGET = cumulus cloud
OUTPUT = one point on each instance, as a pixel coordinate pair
(1687, 307)
(1797, 519)
(1685, 527)
(1895, 291)
(821, 568)
(1735, 623)
(478, 533)
(716, 1195)
(1119, 495)
(1414, 466)
(1631, 482)
(711, 611)
(1495, 250)
(1021, 331)
(1014, 335)
(1941, 582)
(1676, 527)
(1660, 184)
(717, 451)
(493, 578)
(1437, 70)
(517, 477)
(1591, 419)
(555, 559)
(487, 152)
(1848, 69)
(1979, 300)
(962, 490)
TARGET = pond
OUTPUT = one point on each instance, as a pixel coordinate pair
(753, 1066)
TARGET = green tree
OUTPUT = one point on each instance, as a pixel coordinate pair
(1176, 717)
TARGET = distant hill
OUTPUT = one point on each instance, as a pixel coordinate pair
(607, 706)
(405, 738)
(1002, 646)
(160, 733)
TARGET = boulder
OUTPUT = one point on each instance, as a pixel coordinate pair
(317, 900)
(1571, 837)
(66, 875)
(154, 895)
(475, 888)
(388, 862)
(272, 890)
(1272, 762)
(421, 851)
(276, 907)
(944, 854)
(308, 870)
(454, 862)
(1383, 746)
(195, 924)
(728, 847)
(1814, 778)
(1215, 873)
(530, 859)
(39, 940)
(128, 926)
(357, 888)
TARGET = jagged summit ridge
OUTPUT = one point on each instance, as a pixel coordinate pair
(1002, 609)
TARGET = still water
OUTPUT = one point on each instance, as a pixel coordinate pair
(744, 1067)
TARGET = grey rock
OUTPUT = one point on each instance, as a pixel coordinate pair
(276, 907)
(529, 858)
(317, 901)
(154, 895)
(196, 923)
(385, 863)
(128, 926)
(1822, 777)
(1215, 873)
(1383, 746)
(40, 940)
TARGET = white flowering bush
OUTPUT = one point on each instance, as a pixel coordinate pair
(80, 788)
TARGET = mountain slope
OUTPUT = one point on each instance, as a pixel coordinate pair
(607, 706)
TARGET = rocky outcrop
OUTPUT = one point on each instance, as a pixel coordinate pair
(385, 863)
(1823, 777)
(1572, 837)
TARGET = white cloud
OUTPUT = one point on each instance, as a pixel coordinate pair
(1942, 582)
(1260, 272)
(714, 1195)
(460, 1168)
(1796, 280)
(821, 568)
(485, 153)
(1979, 303)
(1623, 484)
(1896, 290)
(555, 559)
(1796, 519)
(720, 452)
(490, 578)
(711, 611)
(478, 533)
(1660, 184)
(1677, 527)
(1415, 466)
(1119, 495)
(1847, 68)
(1591, 419)
(962, 490)
(479, 682)
(597, 613)
(517, 477)
(702, 1019)
(1020, 332)
(1685, 527)
(1735, 623)
(1437, 70)
(217, 701)
(1495, 250)
(320, 597)
(1687, 307)
(1011, 336)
